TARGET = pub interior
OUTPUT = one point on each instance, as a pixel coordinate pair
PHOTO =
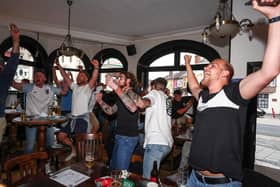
(76, 55)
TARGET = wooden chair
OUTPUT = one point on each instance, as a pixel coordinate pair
(89, 142)
(27, 166)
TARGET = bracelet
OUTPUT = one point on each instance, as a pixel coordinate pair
(274, 19)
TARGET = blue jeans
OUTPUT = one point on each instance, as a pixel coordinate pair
(153, 152)
(194, 182)
(122, 151)
(31, 136)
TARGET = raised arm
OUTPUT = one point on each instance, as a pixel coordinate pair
(130, 105)
(192, 81)
(64, 74)
(54, 76)
(16, 38)
(94, 76)
(255, 82)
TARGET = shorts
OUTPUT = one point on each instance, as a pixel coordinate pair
(81, 126)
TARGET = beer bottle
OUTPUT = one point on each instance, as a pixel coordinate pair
(155, 173)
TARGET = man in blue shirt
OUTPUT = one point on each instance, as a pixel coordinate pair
(7, 73)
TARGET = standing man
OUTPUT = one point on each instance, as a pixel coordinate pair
(39, 96)
(80, 101)
(158, 138)
(126, 137)
(216, 151)
(7, 73)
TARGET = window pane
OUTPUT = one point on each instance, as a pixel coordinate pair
(24, 54)
(72, 62)
(200, 60)
(166, 60)
(23, 72)
(112, 63)
(74, 75)
(175, 79)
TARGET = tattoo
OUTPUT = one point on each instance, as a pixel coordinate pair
(129, 103)
(107, 108)
(169, 106)
(135, 97)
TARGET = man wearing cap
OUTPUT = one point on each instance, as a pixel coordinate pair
(7, 73)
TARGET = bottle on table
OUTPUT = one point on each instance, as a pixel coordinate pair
(155, 173)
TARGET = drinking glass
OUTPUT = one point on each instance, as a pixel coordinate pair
(116, 175)
(89, 159)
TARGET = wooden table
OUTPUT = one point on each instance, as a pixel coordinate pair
(99, 170)
(41, 123)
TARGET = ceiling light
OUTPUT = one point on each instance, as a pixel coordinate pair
(225, 25)
(66, 47)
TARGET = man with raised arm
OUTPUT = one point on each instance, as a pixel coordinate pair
(126, 137)
(216, 151)
(80, 99)
(7, 73)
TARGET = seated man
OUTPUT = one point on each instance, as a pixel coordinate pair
(182, 110)
(80, 99)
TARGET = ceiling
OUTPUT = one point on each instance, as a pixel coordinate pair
(120, 21)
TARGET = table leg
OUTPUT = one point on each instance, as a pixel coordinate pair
(42, 137)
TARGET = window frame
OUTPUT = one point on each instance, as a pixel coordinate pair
(175, 46)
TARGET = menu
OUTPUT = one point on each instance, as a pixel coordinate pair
(69, 177)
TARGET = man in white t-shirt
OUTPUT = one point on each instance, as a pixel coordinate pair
(158, 138)
(38, 97)
(82, 91)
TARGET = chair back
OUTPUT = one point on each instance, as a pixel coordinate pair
(89, 142)
(27, 165)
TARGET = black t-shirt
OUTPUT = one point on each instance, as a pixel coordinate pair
(127, 122)
(176, 105)
(217, 143)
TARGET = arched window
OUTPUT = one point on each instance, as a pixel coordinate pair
(32, 55)
(71, 64)
(167, 60)
(111, 60)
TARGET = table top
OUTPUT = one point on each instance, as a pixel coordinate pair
(99, 169)
(38, 120)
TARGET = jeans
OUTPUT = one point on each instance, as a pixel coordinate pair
(153, 152)
(194, 182)
(31, 135)
(122, 151)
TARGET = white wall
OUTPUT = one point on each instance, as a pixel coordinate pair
(51, 42)
(243, 50)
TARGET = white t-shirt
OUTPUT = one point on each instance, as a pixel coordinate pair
(38, 99)
(157, 120)
(80, 99)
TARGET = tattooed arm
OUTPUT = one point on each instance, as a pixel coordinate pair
(139, 101)
(127, 101)
(110, 110)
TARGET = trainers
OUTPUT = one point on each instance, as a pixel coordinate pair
(70, 157)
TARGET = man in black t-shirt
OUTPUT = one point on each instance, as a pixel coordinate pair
(182, 109)
(126, 137)
(217, 144)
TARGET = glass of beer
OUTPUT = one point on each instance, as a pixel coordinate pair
(89, 159)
